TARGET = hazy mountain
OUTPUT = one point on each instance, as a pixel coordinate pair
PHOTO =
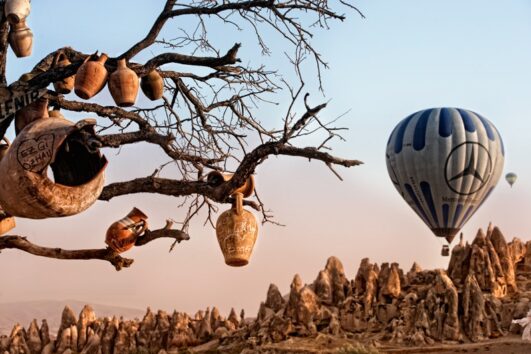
(51, 310)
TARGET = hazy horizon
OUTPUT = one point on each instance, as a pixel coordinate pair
(404, 57)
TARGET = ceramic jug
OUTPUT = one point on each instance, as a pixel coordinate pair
(152, 85)
(65, 85)
(27, 190)
(122, 234)
(21, 39)
(237, 230)
(123, 85)
(91, 77)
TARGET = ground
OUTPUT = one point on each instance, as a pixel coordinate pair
(325, 344)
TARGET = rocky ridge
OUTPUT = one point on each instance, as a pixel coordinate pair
(486, 286)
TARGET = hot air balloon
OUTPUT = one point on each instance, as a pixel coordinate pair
(511, 178)
(445, 162)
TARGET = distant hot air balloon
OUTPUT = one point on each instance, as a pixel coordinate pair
(511, 178)
(445, 162)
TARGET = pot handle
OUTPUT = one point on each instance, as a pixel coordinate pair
(140, 227)
(90, 56)
(58, 55)
(238, 203)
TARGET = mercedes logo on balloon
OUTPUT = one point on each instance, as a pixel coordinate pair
(474, 174)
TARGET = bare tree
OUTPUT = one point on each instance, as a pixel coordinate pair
(205, 122)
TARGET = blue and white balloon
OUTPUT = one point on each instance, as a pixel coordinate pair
(445, 162)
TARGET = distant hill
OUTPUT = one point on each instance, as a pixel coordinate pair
(51, 310)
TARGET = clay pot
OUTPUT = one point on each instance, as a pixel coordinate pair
(21, 39)
(66, 85)
(236, 230)
(70, 151)
(123, 85)
(152, 85)
(30, 113)
(16, 10)
(122, 234)
(215, 178)
(91, 77)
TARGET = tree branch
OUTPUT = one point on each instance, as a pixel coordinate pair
(152, 34)
(212, 62)
(104, 254)
(4, 34)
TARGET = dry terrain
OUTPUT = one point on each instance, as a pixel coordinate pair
(467, 308)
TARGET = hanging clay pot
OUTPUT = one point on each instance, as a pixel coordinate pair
(71, 151)
(152, 85)
(122, 234)
(16, 10)
(21, 39)
(236, 230)
(123, 85)
(91, 77)
(30, 113)
(66, 85)
(215, 178)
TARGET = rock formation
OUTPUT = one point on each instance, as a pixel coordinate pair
(486, 287)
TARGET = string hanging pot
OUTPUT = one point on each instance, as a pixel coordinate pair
(152, 85)
(91, 76)
(71, 151)
(65, 85)
(123, 85)
(122, 234)
(21, 39)
(237, 230)
(16, 10)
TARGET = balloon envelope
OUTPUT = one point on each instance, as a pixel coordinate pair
(511, 178)
(445, 162)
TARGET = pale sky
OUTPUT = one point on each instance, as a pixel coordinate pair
(404, 57)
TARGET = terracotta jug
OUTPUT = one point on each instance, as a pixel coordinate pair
(16, 10)
(66, 85)
(27, 191)
(30, 113)
(215, 178)
(91, 77)
(152, 85)
(21, 39)
(123, 85)
(236, 230)
(122, 234)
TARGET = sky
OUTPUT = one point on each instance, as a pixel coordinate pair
(403, 57)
